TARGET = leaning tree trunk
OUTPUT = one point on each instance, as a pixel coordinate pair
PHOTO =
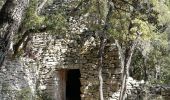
(10, 19)
(101, 54)
(125, 59)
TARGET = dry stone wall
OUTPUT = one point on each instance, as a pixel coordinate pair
(34, 73)
(18, 79)
(75, 54)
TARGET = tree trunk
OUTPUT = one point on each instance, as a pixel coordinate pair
(101, 54)
(124, 76)
(145, 70)
(101, 84)
(125, 59)
(10, 19)
(103, 41)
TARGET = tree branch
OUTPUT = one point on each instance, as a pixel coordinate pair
(41, 6)
(126, 66)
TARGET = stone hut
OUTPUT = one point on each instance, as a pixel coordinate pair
(60, 68)
(71, 67)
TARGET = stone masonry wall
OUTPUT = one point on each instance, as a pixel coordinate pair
(34, 73)
(18, 79)
(55, 54)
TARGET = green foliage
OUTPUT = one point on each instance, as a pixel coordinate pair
(163, 11)
(57, 22)
(165, 70)
(126, 24)
(32, 19)
(96, 12)
(119, 25)
(143, 27)
(151, 19)
(102, 8)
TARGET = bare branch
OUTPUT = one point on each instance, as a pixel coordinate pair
(39, 8)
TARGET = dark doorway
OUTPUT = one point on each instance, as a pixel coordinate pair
(73, 85)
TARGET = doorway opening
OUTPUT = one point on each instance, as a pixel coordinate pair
(73, 85)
